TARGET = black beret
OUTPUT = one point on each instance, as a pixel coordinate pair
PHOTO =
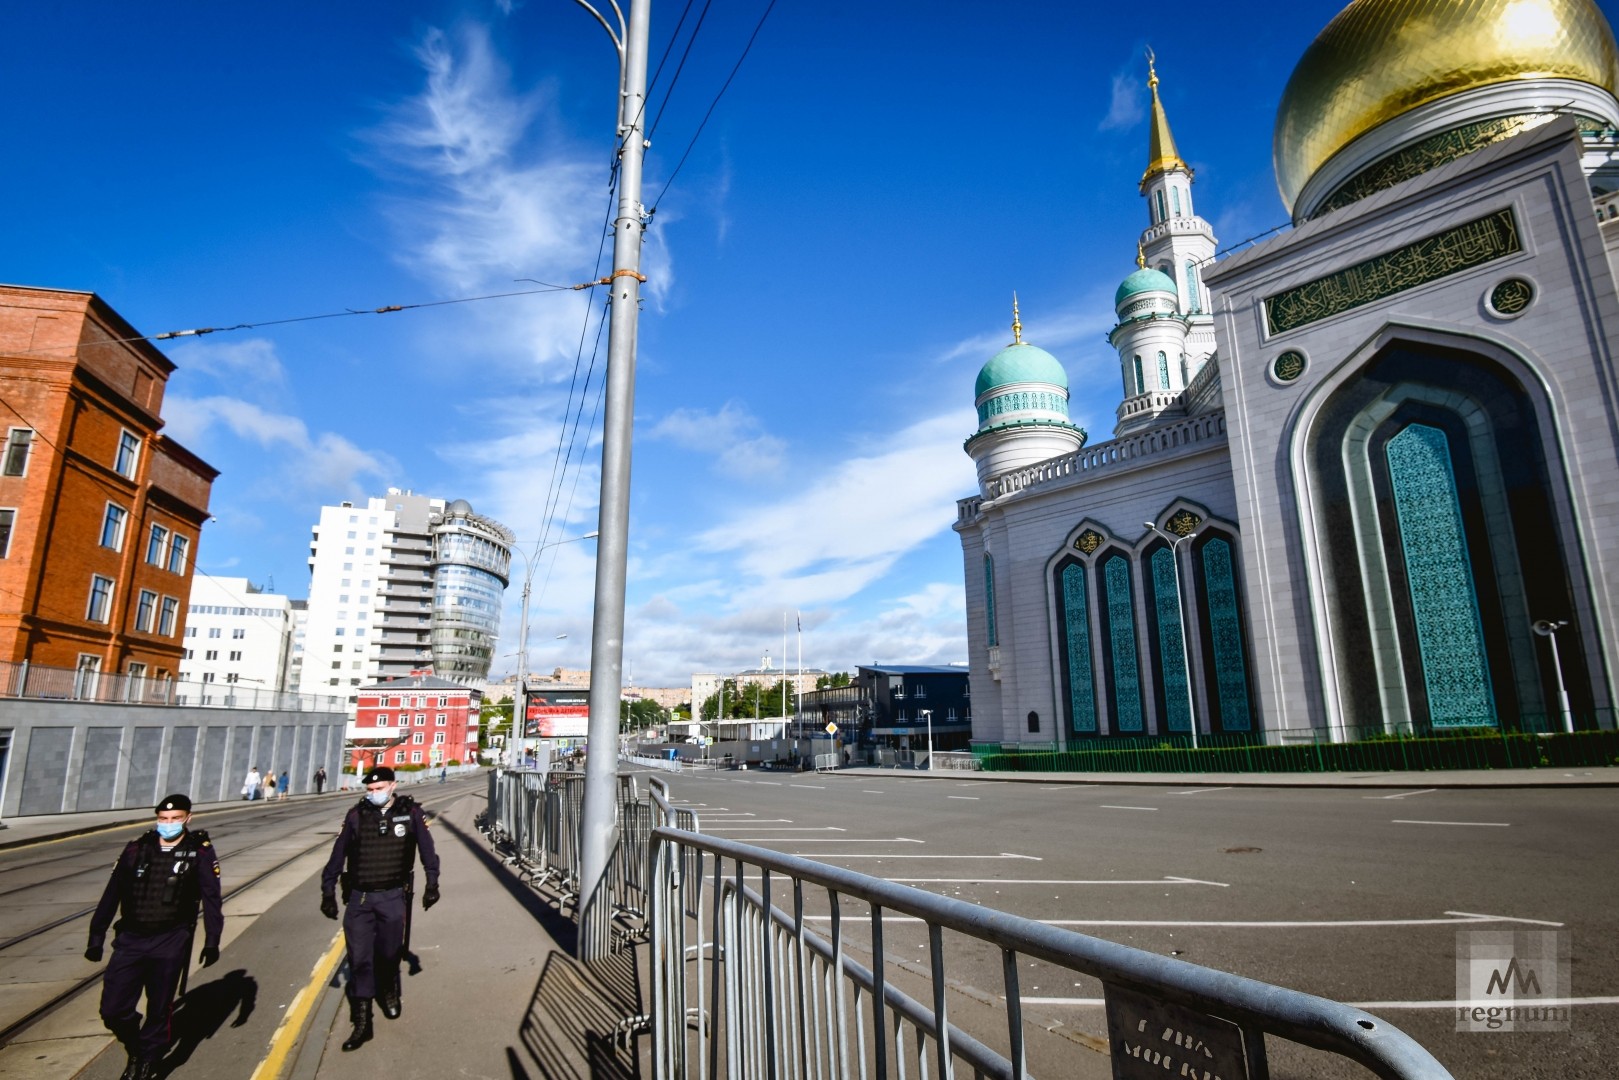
(174, 802)
(378, 775)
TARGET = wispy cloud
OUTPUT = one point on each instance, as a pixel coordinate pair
(319, 463)
(253, 361)
(735, 437)
(1127, 105)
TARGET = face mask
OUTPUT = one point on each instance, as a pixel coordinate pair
(378, 798)
(168, 830)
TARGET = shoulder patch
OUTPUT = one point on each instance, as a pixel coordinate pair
(216, 869)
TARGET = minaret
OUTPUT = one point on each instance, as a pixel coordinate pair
(1175, 238)
(1022, 400)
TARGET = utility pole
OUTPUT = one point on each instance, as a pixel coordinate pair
(599, 829)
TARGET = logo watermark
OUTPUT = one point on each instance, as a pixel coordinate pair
(1512, 980)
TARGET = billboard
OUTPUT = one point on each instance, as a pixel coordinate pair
(557, 714)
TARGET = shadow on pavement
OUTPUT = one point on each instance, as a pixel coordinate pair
(561, 928)
(569, 1031)
(204, 1010)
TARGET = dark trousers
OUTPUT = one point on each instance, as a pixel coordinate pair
(149, 964)
(320, 782)
(374, 927)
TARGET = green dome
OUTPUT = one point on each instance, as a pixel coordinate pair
(1020, 363)
(1141, 281)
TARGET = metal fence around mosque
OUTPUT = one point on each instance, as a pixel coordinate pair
(743, 988)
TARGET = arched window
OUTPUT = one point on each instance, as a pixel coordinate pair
(1159, 202)
(1141, 385)
(1166, 602)
(989, 601)
(1034, 722)
(1194, 299)
(1120, 625)
(1224, 637)
(1074, 625)
(1175, 199)
(1163, 371)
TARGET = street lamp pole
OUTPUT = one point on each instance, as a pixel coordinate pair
(1180, 601)
(1547, 629)
(928, 714)
(517, 744)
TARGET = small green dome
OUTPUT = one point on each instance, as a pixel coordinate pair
(1145, 280)
(1020, 363)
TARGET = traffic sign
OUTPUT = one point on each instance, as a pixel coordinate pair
(831, 728)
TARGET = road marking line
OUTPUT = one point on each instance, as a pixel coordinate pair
(769, 783)
(1200, 791)
(1481, 824)
(831, 840)
(292, 1024)
(1055, 881)
(1002, 855)
(1385, 1005)
(817, 787)
(784, 828)
(1502, 918)
(1245, 925)
(1105, 806)
(969, 798)
(865, 791)
(1048, 788)
(739, 780)
(1403, 794)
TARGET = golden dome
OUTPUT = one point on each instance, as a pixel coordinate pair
(1380, 58)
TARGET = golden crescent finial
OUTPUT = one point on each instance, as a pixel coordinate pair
(1017, 323)
(1141, 256)
(1152, 73)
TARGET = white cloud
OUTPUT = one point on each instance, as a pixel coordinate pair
(318, 464)
(1126, 107)
(736, 438)
(250, 360)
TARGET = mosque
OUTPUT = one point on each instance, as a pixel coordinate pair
(1364, 477)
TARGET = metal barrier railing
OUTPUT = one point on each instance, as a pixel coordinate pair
(743, 989)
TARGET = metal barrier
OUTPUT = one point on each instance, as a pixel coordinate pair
(763, 996)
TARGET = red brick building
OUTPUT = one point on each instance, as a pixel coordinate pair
(419, 720)
(100, 513)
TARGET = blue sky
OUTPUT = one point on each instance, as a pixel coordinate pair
(826, 273)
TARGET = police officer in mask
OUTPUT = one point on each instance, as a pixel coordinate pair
(374, 856)
(157, 883)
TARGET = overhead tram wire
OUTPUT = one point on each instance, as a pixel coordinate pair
(674, 80)
(712, 105)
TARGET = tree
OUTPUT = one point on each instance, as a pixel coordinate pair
(827, 682)
(638, 714)
(491, 717)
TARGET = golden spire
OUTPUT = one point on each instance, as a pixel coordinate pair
(1017, 323)
(1141, 256)
(1161, 153)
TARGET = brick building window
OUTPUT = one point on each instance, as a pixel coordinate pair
(177, 554)
(156, 541)
(145, 611)
(18, 442)
(112, 526)
(8, 518)
(129, 455)
(99, 609)
(168, 613)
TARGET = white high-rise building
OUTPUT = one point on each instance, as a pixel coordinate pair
(403, 583)
(236, 634)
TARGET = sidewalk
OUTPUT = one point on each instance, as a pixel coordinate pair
(1438, 778)
(495, 991)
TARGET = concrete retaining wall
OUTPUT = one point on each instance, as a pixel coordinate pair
(67, 756)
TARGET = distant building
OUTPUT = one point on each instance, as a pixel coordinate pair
(705, 684)
(403, 583)
(298, 617)
(100, 513)
(236, 634)
(416, 720)
(892, 706)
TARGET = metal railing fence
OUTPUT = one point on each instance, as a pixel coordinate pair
(1369, 749)
(743, 989)
(34, 681)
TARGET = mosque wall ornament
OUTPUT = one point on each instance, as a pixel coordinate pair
(1288, 366)
(1184, 523)
(1089, 541)
(1512, 297)
(1474, 243)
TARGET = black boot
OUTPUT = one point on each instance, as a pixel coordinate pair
(132, 1070)
(360, 1017)
(389, 1000)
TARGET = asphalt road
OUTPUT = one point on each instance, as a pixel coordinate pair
(1360, 896)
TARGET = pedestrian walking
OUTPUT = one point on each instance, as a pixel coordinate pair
(269, 787)
(250, 785)
(443, 771)
(320, 779)
(157, 884)
(283, 787)
(374, 857)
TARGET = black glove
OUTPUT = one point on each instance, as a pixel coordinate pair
(429, 896)
(93, 954)
(328, 905)
(210, 955)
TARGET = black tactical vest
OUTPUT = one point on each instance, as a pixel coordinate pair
(163, 890)
(386, 846)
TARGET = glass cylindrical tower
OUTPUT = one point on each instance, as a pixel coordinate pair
(472, 558)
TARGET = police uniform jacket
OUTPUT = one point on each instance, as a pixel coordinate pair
(158, 890)
(377, 847)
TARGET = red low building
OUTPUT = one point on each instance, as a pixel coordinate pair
(419, 720)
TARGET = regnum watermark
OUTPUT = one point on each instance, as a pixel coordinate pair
(1512, 980)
